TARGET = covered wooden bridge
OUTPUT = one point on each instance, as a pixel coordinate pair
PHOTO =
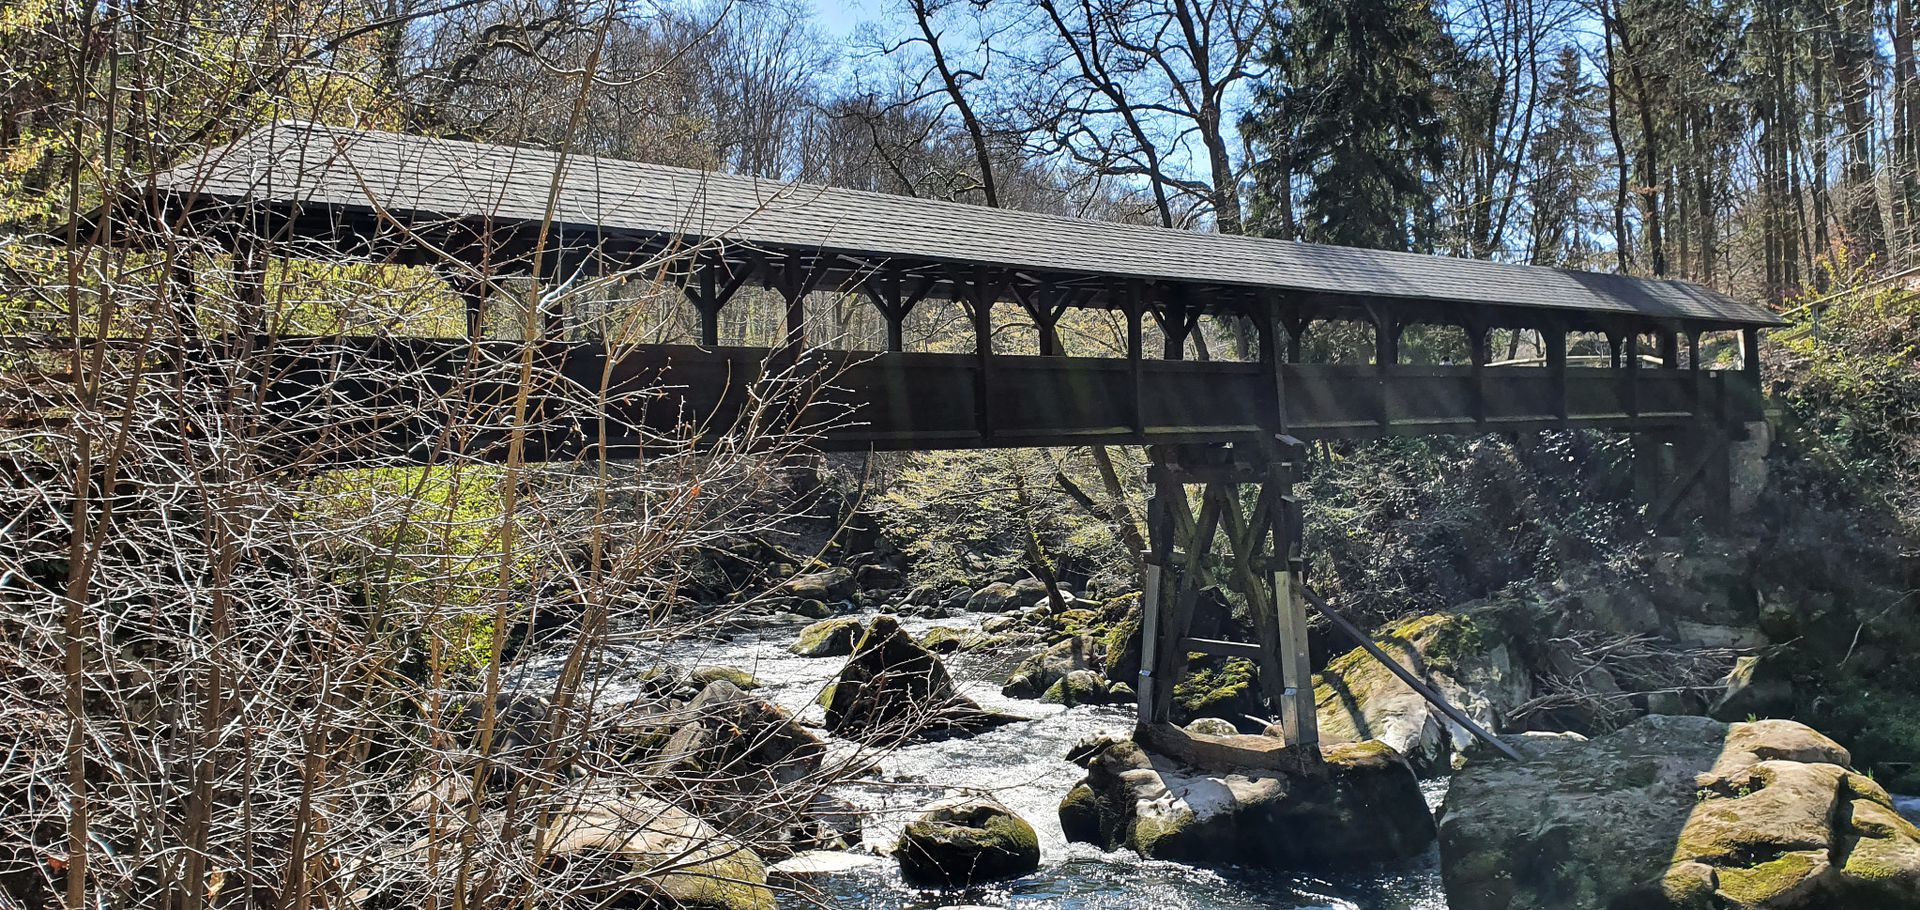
(486, 214)
(483, 210)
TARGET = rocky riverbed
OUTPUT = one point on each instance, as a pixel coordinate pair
(1016, 740)
(1024, 765)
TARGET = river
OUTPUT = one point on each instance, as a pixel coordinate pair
(1023, 765)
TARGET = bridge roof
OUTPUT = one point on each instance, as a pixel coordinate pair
(351, 170)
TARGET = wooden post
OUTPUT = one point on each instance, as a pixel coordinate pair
(709, 306)
(1478, 352)
(1298, 719)
(1669, 349)
(1173, 325)
(793, 287)
(1271, 357)
(1135, 305)
(1750, 355)
(982, 294)
(1632, 391)
(1555, 339)
(1386, 356)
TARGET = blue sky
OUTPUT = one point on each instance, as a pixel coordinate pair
(840, 17)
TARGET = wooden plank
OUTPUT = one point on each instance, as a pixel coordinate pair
(1228, 753)
(1220, 648)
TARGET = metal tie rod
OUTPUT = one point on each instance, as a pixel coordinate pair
(1406, 676)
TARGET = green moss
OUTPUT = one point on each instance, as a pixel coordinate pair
(1080, 815)
(1354, 755)
(741, 679)
(1148, 831)
(1215, 690)
(1756, 885)
(1012, 833)
(827, 638)
(734, 881)
(947, 639)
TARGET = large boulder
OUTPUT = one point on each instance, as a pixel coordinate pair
(1081, 687)
(948, 639)
(994, 598)
(735, 742)
(880, 577)
(892, 690)
(1035, 675)
(649, 853)
(828, 638)
(1678, 812)
(962, 841)
(1362, 804)
(1359, 699)
(828, 585)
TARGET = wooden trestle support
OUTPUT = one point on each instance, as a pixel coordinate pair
(1246, 498)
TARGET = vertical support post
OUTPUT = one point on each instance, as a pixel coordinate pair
(1145, 686)
(1613, 349)
(1699, 392)
(250, 286)
(793, 287)
(709, 306)
(1272, 330)
(1135, 305)
(982, 294)
(1155, 687)
(1386, 355)
(1173, 324)
(1297, 715)
(473, 295)
(1632, 391)
(1046, 318)
(1750, 355)
(1479, 353)
(1669, 350)
(1555, 339)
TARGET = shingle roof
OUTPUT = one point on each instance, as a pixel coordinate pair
(312, 164)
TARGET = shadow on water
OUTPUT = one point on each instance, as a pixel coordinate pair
(1088, 880)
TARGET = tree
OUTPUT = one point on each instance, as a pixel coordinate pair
(1349, 96)
(1562, 167)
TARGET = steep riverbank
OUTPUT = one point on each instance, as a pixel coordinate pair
(1024, 766)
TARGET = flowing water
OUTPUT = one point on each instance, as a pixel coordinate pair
(1023, 766)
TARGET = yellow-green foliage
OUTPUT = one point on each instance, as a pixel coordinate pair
(425, 540)
(959, 518)
(1852, 375)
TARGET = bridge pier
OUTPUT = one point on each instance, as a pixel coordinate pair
(1246, 499)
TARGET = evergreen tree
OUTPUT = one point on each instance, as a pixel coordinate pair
(1563, 167)
(1349, 107)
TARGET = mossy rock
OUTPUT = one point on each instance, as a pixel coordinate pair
(1218, 688)
(1081, 687)
(669, 854)
(961, 842)
(741, 679)
(809, 608)
(1080, 814)
(1121, 643)
(947, 639)
(828, 638)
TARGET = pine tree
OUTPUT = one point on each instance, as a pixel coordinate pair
(1562, 167)
(1349, 107)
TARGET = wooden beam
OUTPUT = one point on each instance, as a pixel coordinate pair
(1555, 339)
(1134, 305)
(1632, 389)
(982, 295)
